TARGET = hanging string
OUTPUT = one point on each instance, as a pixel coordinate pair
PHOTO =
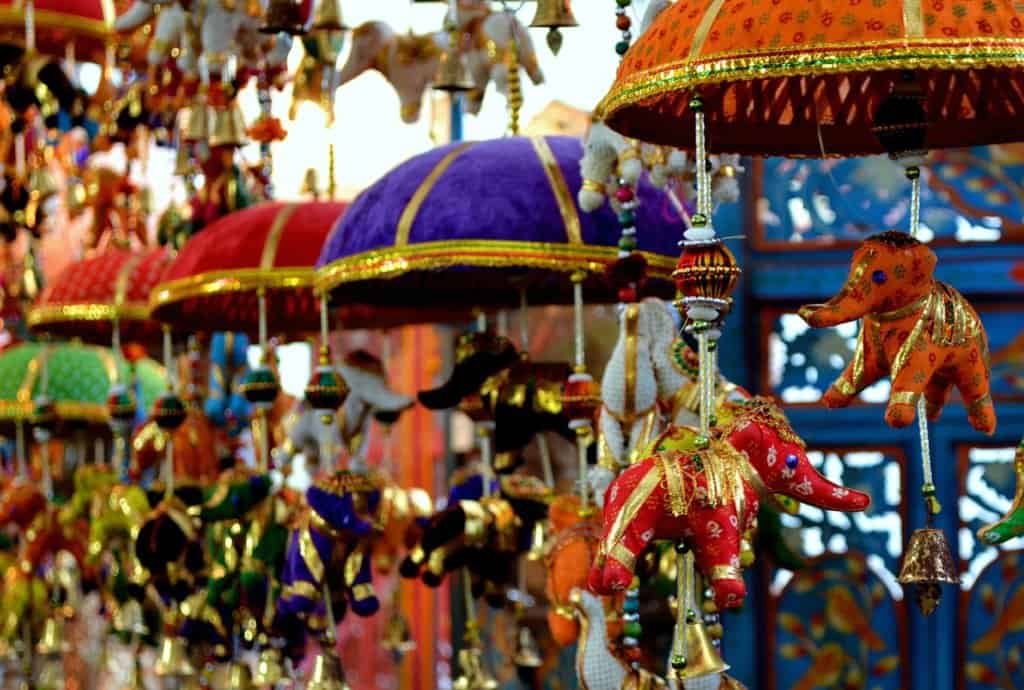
(684, 607)
(472, 635)
(577, 300)
(703, 363)
(261, 301)
(332, 625)
(30, 27)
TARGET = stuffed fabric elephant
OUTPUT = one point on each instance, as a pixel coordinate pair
(708, 498)
(920, 332)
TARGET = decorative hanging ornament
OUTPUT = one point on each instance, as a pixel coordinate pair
(623, 23)
(554, 15)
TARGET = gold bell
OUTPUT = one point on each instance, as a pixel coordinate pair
(702, 659)
(129, 618)
(927, 563)
(397, 638)
(268, 669)
(197, 121)
(328, 17)
(326, 673)
(452, 74)
(228, 126)
(554, 14)
(527, 655)
(283, 16)
(238, 677)
(473, 675)
(173, 658)
(51, 641)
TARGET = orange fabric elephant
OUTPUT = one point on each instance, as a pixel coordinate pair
(919, 331)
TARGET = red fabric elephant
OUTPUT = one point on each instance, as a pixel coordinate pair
(919, 331)
(707, 498)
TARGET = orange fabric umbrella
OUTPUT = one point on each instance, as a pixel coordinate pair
(90, 295)
(806, 77)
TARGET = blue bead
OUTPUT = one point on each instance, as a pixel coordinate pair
(879, 277)
(791, 461)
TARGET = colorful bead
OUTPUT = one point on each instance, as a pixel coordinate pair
(623, 22)
(621, 47)
(632, 629)
(624, 194)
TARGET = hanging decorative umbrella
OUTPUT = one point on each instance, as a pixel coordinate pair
(91, 296)
(215, 280)
(786, 79)
(473, 225)
(85, 25)
(78, 379)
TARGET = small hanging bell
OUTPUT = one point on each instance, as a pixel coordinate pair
(473, 675)
(172, 659)
(527, 654)
(129, 619)
(183, 160)
(397, 638)
(51, 641)
(927, 563)
(238, 677)
(327, 673)
(269, 671)
(554, 15)
(702, 659)
(228, 126)
(328, 17)
(197, 121)
(452, 74)
(283, 16)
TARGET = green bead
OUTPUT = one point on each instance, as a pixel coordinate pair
(678, 662)
(632, 629)
(627, 218)
(627, 244)
(698, 220)
(913, 172)
(701, 443)
(681, 547)
(713, 420)
(621, 47)
(696, 103)
(623, 3)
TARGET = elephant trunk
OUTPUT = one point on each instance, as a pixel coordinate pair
(840, 309)
(811, 487)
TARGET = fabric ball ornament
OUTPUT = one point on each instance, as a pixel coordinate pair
(707, 271)
(260, 386)
(581, 399)
(326, 391)
(169, 411)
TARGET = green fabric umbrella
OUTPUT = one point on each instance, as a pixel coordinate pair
(80, 377)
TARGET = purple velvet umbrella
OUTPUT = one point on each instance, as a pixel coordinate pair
(472, 224)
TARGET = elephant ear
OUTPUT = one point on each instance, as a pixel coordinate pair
(367, 41)
(333, 501)
(234, 496)
(165, 536)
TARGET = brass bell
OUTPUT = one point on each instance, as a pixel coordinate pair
(283, 16)
(197, 121)
(452, 74)
(228, 127)
(473, 677)
(527, 655)
(129, 618)
(269, 671)
(328, 17)
(238, 677)
(702, 659)
(553, 15)
(927, 563)
(173, 658)
(397, 638)
(326, 673)
(51, 641)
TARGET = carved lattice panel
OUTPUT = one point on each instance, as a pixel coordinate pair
(992, 578)
(969, 195)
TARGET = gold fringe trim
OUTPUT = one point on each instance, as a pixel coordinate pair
(220, 282)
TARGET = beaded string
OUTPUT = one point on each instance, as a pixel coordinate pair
(684, 607)
(515, 91)
(932, 506)
(580, 369)
(623, 24)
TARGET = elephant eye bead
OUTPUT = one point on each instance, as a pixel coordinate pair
(791, 461)
(879, 277)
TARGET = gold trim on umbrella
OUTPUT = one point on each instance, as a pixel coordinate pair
(559, 187)
(47, 314)
(700, 36)
(221, 282)
(820, 60)
(391, 262)
(12, 16)
(412, 209)
(66, 410)
(274, 236)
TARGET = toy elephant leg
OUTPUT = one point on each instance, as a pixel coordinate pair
(303, 574)
(716, 548)
(615, 572)
(858, 375)
(973, 383)
(908, 385)
(936, 394)
(359, 578)
(1012, 524)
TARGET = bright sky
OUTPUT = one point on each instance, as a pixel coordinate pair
(368, 134)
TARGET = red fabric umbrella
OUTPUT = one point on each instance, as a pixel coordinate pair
(213, 282)
(88, 25)
(90, 295)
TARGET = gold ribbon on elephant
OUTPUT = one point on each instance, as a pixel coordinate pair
(630, 509)
(310, 556)
(632, 324)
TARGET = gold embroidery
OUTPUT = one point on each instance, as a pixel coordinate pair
(219, 282)
(363, 591)
(310, 556)
(412, 209)
(700, 34)
(677, 501)
(300, 589)
(913, 19)
(904, 398)
(563, 197)
(631, 507)
(353, 564)
(274, 236)
(726, 572)
(632, 318)
(623, 555)
(844, 386)
(391, 262)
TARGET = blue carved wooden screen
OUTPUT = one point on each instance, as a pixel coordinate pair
(844, 621)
